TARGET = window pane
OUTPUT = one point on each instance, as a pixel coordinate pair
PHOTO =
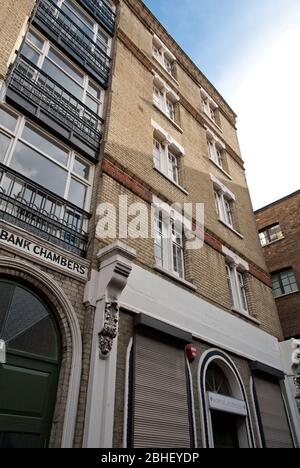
(4, 144)
(102, 42)
(158, 240)
(217, 382)
(39, 169)
(229, 215)
(157, 97)
(173, 168)
(218, 203)
(40, 337)
(168, 66)
(36, 40)
(8, 120)
(243, 292)
(81, 168)
(30, 54)
(65, 81)
(178, 260)
(92, 104)
(157, 153)
(78, 18)
(66, 66)
(263, 238)
(45, 144)
(270, 234)
(77, 193)
(170, 110)
(284, 283)
(230, 285)
(94, 91)
(32, 331)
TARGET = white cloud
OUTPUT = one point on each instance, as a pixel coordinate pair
(267, 101)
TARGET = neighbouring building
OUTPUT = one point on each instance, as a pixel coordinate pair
(124, 340)
(279, 232)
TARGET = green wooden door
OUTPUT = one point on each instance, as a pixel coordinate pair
(28, 379)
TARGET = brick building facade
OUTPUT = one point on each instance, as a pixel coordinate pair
(282, 254)
(101, 106)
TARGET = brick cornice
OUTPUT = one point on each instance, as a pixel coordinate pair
(146, 193)
(151, 67)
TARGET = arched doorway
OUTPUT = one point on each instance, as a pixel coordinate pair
(226, 418)
(29, 378)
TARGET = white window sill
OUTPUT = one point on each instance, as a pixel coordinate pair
(165, 70)
(173, 276)
(273, 242)
(287, 294)
(172, 181)
(231, 229)
(221, 169)
(245, 315)
(167, 117)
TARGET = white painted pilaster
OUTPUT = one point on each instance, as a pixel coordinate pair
(103, 292)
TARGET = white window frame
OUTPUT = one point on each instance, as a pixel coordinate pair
(163, 55)
(265, 235)
(73, 155)
(86, 80)
(173, 167)
(171, 236)
(164, 98)
(237, 288)
(164, 147)
(236, 267)
(162, 156)
(210, 107)
(96, 28)
(216, 149)
(224, 200)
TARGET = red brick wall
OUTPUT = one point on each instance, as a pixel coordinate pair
(284, 254)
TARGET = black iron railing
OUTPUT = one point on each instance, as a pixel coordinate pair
(101, 12)
(41, 96)
(28, 205)
(76, 42)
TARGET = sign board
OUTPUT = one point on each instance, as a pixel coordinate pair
(42, 253)
(2, 352)
(227, 405)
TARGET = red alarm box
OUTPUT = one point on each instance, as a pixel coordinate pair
(191, 352)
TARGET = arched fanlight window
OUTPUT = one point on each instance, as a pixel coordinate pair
(26, 324)
(225, 412)
(217, 382)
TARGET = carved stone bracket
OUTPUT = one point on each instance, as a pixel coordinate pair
(104, 290)
(110, 328)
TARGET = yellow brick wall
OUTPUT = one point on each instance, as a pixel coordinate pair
(262, 305)
(14, 15)
(205, 268)
(131, 145)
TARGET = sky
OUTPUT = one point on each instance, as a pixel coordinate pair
(250, 51)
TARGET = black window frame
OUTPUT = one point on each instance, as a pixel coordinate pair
(278, 276)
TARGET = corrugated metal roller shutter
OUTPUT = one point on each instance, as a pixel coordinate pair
(161, 413)
(275, 424)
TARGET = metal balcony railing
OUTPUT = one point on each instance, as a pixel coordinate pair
(67, 34)
(28, 205)
(101, 12)
(43, 98)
